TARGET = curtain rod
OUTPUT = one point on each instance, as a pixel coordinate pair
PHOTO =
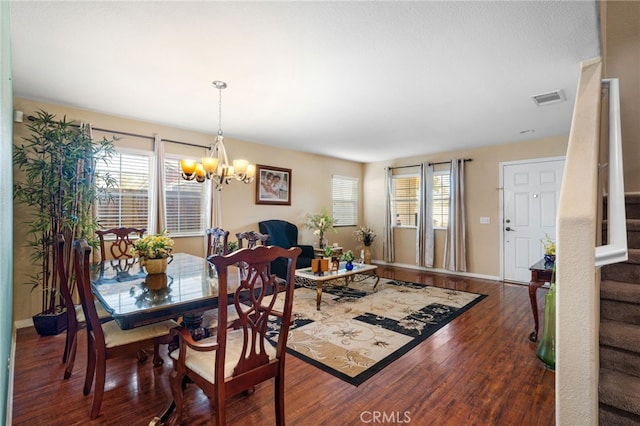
(136, 135)
(404, 167)
(445, 162)
(32, 118)
(185, 143)
(431, 164)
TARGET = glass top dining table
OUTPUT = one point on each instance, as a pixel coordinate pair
(135, 298)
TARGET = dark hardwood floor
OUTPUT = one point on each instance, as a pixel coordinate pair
(480, 369)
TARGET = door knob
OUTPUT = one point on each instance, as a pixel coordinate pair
(508, 228)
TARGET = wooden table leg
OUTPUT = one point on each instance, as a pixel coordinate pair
(318, 294)
(533, 288)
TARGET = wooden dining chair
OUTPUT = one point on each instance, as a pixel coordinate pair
(75, 315)
(217, 245)
(122, 243)
(233, 361)
(108, 340)
(217, 240)
(252, 238)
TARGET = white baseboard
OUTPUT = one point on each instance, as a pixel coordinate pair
(23, 323)
(439, 271)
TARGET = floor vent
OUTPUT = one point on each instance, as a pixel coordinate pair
(548, 98)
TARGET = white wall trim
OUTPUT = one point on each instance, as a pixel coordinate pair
(23, 323)
(438, 271)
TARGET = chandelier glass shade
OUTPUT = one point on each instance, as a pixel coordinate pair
(216, 167)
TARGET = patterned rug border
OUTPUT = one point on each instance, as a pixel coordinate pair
(380, 365)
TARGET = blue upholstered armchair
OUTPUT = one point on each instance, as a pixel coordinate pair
(285, 234)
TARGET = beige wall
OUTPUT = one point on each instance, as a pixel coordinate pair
(483, 200)
(311, 187)
(621, 36)
(311, 191)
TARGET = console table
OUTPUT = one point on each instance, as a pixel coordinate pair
(541, 273)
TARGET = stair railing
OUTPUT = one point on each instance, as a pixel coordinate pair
(579, 255)
(616, 248)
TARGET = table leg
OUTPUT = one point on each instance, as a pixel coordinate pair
(318, 294)
(375, 286)
(533, 288)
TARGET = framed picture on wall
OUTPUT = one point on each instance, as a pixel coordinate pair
(273, 185)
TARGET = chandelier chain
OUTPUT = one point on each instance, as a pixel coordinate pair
(220, 111)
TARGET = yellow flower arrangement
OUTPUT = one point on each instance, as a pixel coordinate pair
(157, 246)
(549, 246)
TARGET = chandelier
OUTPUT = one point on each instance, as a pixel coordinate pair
(216, 166)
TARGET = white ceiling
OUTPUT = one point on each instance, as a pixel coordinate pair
(364, 80)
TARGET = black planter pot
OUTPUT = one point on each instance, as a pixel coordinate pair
(50, 324)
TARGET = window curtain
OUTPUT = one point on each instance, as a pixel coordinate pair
(455, 252)
(86, 128)
(388, 244)
(161, 214)
(425, 234)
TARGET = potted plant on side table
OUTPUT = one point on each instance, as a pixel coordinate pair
(56, 179)
(320, 224)
(348, 258)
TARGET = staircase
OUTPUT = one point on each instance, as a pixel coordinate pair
(619, 390)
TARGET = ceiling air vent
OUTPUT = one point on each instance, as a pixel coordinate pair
(548, 98)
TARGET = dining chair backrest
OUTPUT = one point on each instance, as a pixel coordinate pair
(108, 340)
(122, 243)
(62, 264)
(81, 265)
(66, 288)
(252, 238)
(217, 241)
(235, 360)
(75, 316)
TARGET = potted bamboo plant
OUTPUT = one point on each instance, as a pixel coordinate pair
(56, 179)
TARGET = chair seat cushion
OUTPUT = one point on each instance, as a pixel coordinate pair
(115, 336)
(102, 314)
(210, 317)
(203, 363)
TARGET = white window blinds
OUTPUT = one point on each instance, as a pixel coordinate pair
(128, 203)
(405, 199)
(345, 200)
(441, 199)
(184, 201)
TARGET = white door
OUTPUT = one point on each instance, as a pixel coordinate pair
(531, 195)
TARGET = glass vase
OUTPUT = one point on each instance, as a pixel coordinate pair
(546, 350)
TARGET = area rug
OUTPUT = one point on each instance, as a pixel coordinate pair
(358, 332)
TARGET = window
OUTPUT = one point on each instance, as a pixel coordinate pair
(404, 199)
(345, 200)
(130, 198)
(441, 187)
(185, 201)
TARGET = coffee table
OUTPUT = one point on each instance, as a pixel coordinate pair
(359, 272)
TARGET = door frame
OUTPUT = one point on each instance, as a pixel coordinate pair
(501, 166)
